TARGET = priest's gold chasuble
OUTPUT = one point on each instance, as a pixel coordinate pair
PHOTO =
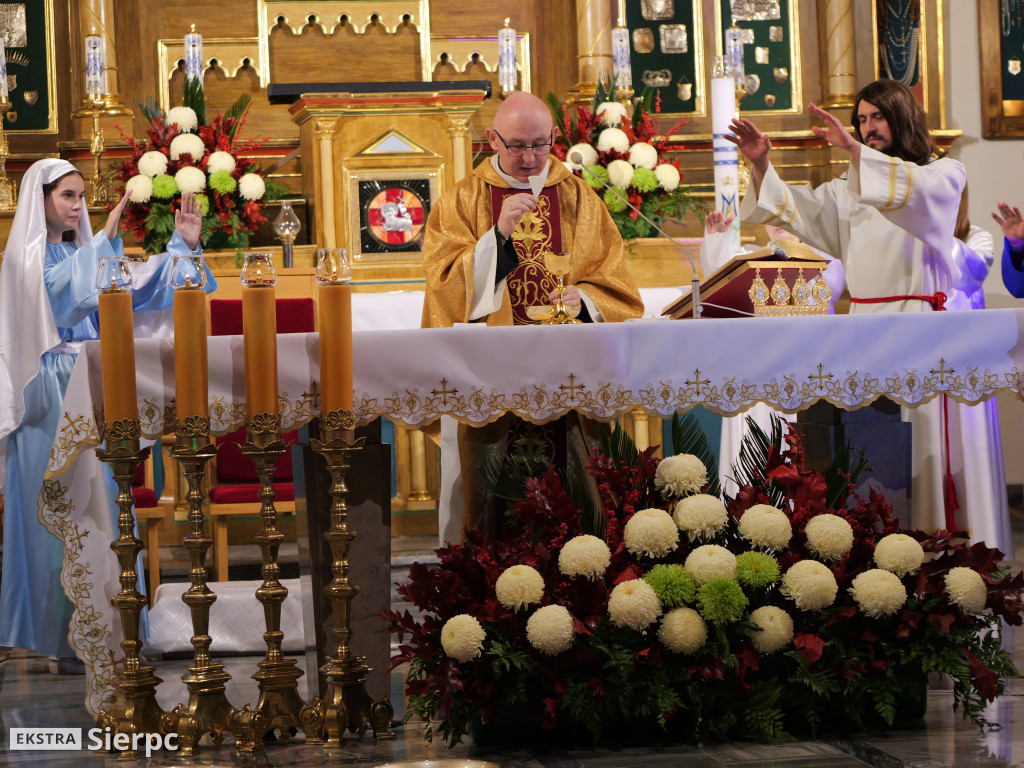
(570, 217)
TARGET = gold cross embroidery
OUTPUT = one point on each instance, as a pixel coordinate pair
(820, 376)
(943, 371)
(697, 381)
(571, 387)
(444, 391)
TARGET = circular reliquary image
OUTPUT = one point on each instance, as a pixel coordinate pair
(392, 214)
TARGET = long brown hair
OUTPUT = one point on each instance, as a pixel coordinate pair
(911, 138)
(963, 221)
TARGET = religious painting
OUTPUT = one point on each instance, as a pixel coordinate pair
(771, 52)
(389, 212)
(1001, 41)
(28, 30)
(668, 55)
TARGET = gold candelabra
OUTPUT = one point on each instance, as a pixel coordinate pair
(347, 704)
(99, 193)
(279, 705)
(8, 191)
(133, 709)
(208, 709)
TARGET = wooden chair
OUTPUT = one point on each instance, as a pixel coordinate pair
(234, 486)
(154, 513)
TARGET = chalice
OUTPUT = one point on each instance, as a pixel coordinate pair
(559, 264)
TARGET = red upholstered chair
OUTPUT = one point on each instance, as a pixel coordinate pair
(234, 485)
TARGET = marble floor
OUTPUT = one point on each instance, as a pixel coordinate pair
(32, 697)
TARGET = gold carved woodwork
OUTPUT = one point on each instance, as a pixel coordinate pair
(463, 52)
(228, 54)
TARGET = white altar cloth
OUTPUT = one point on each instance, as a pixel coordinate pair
(475, 374)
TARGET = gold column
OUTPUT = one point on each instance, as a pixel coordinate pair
(841, 78)
(418, 467)
(594, 44)
(324, 136)
(97, 17)
(458, 128)
(641, 430)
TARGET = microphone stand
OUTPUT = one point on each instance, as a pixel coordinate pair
(577, 158)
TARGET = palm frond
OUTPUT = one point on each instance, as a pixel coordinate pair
(755, 447)
(618, 446)
(195, 97)
(689, 437)
(846, 468)
(504, 476)
(237, 111)
(149, 109)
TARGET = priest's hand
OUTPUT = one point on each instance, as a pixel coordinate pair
(834, 132)
(114, 217)
(1011, 222)
(571, 296)
(188, 220)
(512, 210)
(754, 145)
(716, 222)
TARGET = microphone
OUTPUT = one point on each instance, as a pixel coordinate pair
(577, 158)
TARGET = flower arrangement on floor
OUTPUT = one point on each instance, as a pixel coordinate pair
(185, 154)
(793, 607)
(628, 153)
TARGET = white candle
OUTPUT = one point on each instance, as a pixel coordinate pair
(620, 58)
(507, 57)
(3, 67)
(734, 52)
(193, 55)
(95, 67)
(723, 110)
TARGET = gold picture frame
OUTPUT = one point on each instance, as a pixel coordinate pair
(370, 192)
(31, 99)
(1000, 118)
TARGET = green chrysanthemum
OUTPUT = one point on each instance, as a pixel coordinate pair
(223, 182)
(614, 202)
(673, 584)
(721, 601)
(204, 201)
(601, 172)
(756, 569)
(164, 187)
(644, 180)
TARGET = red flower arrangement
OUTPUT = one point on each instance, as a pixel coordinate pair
(824, 613)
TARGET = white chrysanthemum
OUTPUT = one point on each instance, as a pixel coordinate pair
(187, 144)
(613, 138)
(462, 637)
(620, 173)
(568, 166)
(651, 532)
(700, 516)
(251, 186)
(153, 163)
(549, 629)
(220, 161)
(190, 179)
(668, 176)
(680, 475)
(519, 586)
(829, 536)
(140, 189)
(711, 561)
(899, 553)
(643, 155)
(634, 604)
(611, 113)
(766, 526)
(587, 153)
(683, 631)
(809, 584)
(183, 117)
(878, 592)
(967, 589)
(776, 629)
(584, 555)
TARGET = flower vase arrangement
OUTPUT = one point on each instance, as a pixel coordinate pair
(183, 153)
(628, 153)
(795, 607)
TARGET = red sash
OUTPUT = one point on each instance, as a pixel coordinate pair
(536, 233)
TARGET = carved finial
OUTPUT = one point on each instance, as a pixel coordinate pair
(507, 22)
(193, 29)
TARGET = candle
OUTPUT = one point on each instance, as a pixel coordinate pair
(190, 360)
(95, 67)
(507, 57)
(259, 328)
(734, 53)
(335, 316)
(193, 55)
(3, 67)
(117, 352)
(723, 110)
(620, 58)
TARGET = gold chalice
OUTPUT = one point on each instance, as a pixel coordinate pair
(560, 264)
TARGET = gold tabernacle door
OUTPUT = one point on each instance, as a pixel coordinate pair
(776, 280)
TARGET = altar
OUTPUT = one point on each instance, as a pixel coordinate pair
(476, 374)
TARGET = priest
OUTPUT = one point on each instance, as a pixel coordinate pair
(483, 253)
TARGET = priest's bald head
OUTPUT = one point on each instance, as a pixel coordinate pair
(522, 135)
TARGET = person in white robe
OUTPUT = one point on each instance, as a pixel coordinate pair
(715, 253)
(890, 219)
(48, 305)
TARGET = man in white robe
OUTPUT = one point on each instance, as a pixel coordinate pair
(890, 219)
